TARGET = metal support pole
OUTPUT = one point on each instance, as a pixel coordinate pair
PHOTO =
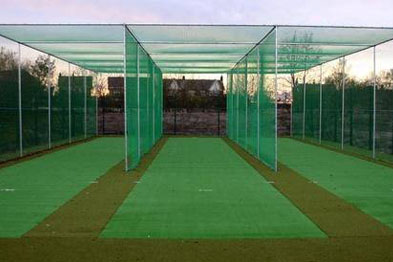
(20, 101)
(246, 100)
(258, 102)
(238, 113)
(154, 106)
(304, 104)
(374, 102)
(232, 108)
(147, 106)
(291, 117)
(343, 105)
(125, 99)
(275, 98)
(69, 103)
(320, 105)
(138, 104)
(96, 109)
(85, 101)
(49, 111)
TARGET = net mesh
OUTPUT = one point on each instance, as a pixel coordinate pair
(143, 101)
(60, 107)
(251, 104)
(45, 108)
(347, 103)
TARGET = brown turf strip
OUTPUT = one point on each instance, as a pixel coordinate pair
(342, 245)
(86, 214)
(333, 215)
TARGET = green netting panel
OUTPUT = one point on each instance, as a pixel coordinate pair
(332, 91)
(235, 91)
(59, 104)
(359, 97)
(384, 121)
(252, 100)
(384, 102)
(297, 105)
(267, 107)
(242, 103)
(91, 106)
(312, 109)
(157, 103)
(230, 99)
(143, 100)
(9, 115)
(251, 104)
(132, 102)
(358, 124)
(77, 104)
(150, 104)
(35, 124)
(160, 90)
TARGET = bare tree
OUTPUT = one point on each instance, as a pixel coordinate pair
(299, 51)
(8, 59)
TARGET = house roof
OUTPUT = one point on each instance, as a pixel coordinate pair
(194, 84)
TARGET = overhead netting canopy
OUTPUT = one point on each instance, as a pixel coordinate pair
(195, 48)
(252, 55)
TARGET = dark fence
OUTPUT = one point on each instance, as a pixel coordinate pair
(181, 121)
(195, 121)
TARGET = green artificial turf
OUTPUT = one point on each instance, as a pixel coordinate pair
(200, 188)
(33, 189)
(366, 185)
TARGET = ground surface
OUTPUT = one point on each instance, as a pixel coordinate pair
(200, 188)
(367, 185)
(86, 227)
(27, 198)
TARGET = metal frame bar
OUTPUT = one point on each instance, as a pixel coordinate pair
(374, 102)
(154, 104)
(304, 103)
(343, 105)
(238, 113)
(258, 103)
(125, 100)
(246, 100)
(85, 101)
(95, 75)
(276, 100)
(49, 112)
(20, 101)
(320, 104)
(69, 104)
(138, 104)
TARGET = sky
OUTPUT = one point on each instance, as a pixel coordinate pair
(302, 12)
(285, 12)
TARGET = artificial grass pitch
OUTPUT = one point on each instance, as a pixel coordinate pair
(367, 185)
(200, 188)
(33, 189)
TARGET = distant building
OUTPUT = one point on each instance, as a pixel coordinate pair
(194, 87)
